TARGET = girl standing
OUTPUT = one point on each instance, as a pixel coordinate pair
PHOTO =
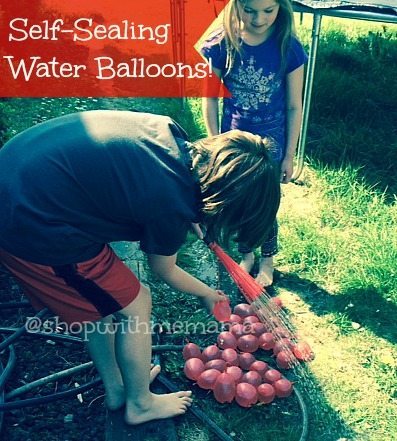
(261, 63)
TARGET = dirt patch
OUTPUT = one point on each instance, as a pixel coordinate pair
(69, 419)
(299, 197)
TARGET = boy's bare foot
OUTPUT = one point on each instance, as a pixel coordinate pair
(158, 407)
(247, 261)
(115, 399)
(265, 272)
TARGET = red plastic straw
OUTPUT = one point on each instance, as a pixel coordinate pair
(267, 311)
(248, 286)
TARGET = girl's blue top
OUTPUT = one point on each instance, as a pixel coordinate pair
(257, 86)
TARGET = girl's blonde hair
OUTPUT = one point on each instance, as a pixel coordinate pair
(240, 186)
(284, 28)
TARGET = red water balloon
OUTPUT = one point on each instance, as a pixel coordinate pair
(248, 343)
(249, 320)
(252, 377)
(222, 310)
(246, 395)
(193, 368)
(276, 302)
(285, 360)
(226, 340)
(238, 330)
(280, 332)
(211, 353)
(266, 393)
(207, 379)
(245, 360)
(243, 310)
(272, 375)
(303, 351)
(283, 388)
(258, 329)
(266, 341)
(259, 366)
(234, 318)
(217, 364)
(230, 356)
(236, 372)
(282, 345)
(191, 350)
(225, 388)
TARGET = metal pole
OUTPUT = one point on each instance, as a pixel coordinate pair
(182, 22)
(308, 93)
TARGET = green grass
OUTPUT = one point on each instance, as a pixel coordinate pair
(338, 242)
(353, 110)
(339, 247)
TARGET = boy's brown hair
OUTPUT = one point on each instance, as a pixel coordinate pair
(240, 186)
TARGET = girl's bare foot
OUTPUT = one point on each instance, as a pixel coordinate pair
(247, 261)
(154, 371)
(115, 399)
(158, 407)
(265, 273)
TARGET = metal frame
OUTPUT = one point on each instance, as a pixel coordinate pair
(316, 31)
(177, 9)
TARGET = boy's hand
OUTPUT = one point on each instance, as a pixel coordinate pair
(198, 231)
(210, 300)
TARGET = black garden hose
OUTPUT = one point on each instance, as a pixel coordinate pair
(21, 331)
(193, 408)
(305, 415)
(196, 411)
(19, 404)
(72, 338)
(7, 371)
(1, 400)
(11, 305)
(7, 343)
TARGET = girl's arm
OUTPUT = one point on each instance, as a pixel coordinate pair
(210, 108)
(166, 269)
(294, 118)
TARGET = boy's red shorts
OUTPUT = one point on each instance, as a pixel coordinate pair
(79, 293)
